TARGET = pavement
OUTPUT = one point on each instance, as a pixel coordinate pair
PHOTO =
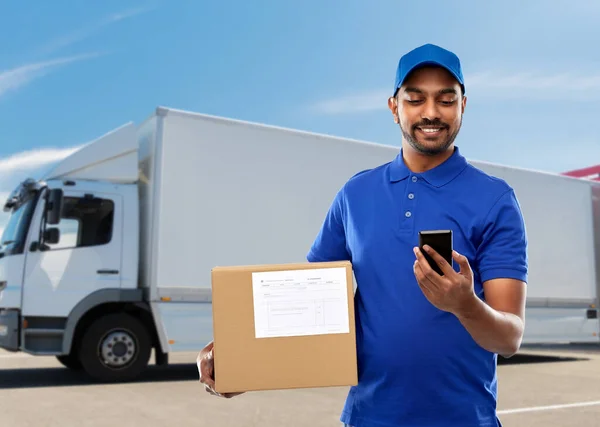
(542, 386)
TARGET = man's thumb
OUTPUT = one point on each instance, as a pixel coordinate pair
(463, 262)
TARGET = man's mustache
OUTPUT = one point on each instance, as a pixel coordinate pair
(433, 123)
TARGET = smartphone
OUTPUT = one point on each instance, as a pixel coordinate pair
(441, 242)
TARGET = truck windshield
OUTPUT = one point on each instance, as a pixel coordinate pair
(15, 232)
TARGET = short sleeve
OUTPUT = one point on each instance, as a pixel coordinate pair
(330, 243)
(502, 252)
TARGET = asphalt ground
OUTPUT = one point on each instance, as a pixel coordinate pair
(547, 387)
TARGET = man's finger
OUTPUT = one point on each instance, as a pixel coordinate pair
(207, 381)
(439, 260)
(427, 282)
(225, 395)
(423, 282)
(418, 272)
(206, 378)
(206, 368)
(230, 395)
(210, 390)
(428, 272)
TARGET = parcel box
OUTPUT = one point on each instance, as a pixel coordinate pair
(283, 326)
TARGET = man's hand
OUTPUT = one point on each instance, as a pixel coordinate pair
(497, 326)
(453, 292)
(206, 368)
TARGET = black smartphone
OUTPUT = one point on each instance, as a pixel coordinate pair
(441, 242)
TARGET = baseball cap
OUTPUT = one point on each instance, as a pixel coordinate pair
(428, 54)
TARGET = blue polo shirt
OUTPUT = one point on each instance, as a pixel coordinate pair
(418, 366)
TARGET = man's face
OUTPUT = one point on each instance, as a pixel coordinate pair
(429, 108)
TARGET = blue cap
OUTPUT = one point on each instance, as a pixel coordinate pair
(428, 54)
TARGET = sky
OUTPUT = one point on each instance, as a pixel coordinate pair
(72, 71)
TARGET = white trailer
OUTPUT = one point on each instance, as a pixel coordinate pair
(109, 255)
(562, 216)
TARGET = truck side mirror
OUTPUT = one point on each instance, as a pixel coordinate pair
(54, 206)
(51, 236)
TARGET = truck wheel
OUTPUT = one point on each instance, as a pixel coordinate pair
(70, 361)
(114, 348)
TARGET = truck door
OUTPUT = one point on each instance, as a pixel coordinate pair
(83, 258)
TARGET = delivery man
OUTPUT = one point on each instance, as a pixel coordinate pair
(427, 343)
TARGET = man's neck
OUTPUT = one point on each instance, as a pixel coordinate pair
(419, 163)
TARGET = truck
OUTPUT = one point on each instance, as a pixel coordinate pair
(106, 259)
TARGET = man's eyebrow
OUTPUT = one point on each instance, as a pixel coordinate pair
(413, 89)
(448, 90)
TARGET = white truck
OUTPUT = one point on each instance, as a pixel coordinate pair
(109, 255)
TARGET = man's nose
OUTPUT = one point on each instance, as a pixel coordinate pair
(430, 110)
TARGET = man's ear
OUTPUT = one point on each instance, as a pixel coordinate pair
(393, 106)
(464, 104)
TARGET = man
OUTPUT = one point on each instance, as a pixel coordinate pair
(427, 344)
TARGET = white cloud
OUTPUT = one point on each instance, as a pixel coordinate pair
(354, 103)
(535, 85)
(126, 14)
(483, 85)
(18, 77)
(83, 33)
(15, 78)
(33, 159)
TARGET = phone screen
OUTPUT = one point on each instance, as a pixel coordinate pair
(441, 242)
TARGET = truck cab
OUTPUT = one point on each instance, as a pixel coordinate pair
(69, 264)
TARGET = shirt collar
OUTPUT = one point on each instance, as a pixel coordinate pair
(438, 176)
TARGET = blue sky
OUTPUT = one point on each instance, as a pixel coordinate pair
(69, 73)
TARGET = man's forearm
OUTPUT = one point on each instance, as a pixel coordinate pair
(496, 331)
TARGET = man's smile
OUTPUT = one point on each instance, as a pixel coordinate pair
(431, 130)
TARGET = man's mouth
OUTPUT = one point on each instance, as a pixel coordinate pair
(431, 130)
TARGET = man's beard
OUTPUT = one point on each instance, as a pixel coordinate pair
(426, 150)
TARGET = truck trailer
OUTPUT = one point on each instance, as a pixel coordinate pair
(108, 256)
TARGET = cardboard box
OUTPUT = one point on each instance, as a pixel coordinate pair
(284, 326)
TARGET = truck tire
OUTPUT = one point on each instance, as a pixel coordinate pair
(70, 361)
(115, 348)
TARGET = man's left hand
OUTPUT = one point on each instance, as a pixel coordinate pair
(453, 292)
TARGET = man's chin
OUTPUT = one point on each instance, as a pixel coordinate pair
(431, 143)
(430, 146)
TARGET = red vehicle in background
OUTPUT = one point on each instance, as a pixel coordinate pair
(591, 172)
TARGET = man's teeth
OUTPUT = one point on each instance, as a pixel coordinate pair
(430, 130)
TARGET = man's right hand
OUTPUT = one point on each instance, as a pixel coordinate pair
(206, 368)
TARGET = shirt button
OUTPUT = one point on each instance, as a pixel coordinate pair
(414, 179)
(407, 214)
(411, 196)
